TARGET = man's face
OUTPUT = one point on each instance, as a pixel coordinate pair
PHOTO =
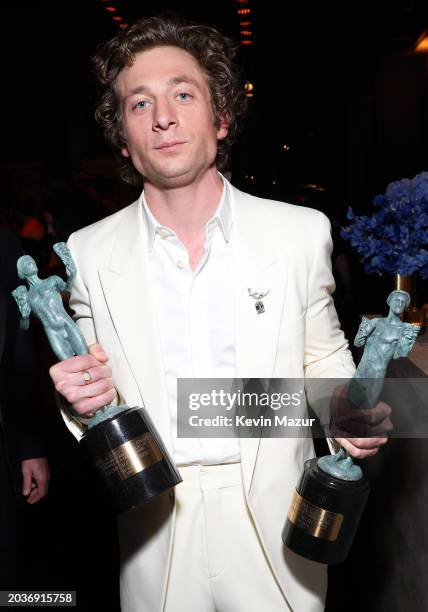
(167, 117)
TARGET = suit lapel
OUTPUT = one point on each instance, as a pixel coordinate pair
(257, 267)
(129, 296)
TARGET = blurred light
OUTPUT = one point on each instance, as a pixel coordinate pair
(244, 11)
(313, 187)
(246, 42)
(123, 25)
(286, 147)
(252, 177)
(111, 9)
(248, 86)
(242, 1)
(246, 33)
(422, 44)
(244, 23)
(117, 18)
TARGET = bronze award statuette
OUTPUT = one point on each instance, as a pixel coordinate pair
(332, 492)
(121, 443)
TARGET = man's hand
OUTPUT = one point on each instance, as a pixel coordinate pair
(85, 381)
(35, 475)
(361, 432)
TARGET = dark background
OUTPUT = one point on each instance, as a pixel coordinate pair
(338, 83)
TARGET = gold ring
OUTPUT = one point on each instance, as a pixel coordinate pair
(87, 377)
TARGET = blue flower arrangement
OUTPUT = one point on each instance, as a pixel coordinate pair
(394, 239)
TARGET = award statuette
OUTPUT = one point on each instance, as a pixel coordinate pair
(120, 442)
(332, 492)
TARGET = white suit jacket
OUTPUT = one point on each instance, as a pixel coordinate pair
(277, 246)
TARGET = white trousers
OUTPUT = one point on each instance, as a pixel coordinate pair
(218, 563)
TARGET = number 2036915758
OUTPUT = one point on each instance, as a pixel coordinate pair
(37, 598)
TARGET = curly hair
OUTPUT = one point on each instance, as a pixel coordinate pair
(215, 54)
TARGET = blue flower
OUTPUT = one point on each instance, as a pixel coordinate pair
(394, 239)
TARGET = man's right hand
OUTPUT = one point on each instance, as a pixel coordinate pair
(85, 396)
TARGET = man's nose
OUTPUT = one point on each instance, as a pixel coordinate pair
(164, 115)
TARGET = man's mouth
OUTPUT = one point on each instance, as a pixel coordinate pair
(169, 145)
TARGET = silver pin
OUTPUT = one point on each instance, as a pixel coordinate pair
(258, 296)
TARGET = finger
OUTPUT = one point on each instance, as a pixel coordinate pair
(376, 414)
(75, 394)
(382, 409)
(354, 430)
(358, 429)
(26, 481)
(354, 451)
(367, 443)
(98, 352)
(96, 388)
(39, 488)
(73, 364)
(89, 405)
(77, 379)
(34, 496)
(42, 486)
(370, 416)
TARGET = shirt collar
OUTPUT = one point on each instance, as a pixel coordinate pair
(222, 217)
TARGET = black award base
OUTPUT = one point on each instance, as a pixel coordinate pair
(324, 515)
(129, 456)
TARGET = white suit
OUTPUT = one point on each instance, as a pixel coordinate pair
(278, 246)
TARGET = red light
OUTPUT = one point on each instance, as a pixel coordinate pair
(243, 11)
(111, 9)
(117, 18)
(246, 42)
(246, 33)
(244, 23)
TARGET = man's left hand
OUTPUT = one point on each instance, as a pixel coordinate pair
(35, 474)
(361, 432)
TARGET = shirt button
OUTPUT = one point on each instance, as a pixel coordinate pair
(180, 264)
(163, 232)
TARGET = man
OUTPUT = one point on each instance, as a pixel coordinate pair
(162, 292)
(24, 471)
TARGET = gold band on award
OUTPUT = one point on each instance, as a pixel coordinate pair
(312, 519)
(132, 457)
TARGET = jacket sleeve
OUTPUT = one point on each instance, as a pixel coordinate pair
(327, 355)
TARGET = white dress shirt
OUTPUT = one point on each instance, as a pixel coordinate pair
(195, 311)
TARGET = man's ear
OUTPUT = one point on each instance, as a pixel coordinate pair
(125, 152)
(223, 128)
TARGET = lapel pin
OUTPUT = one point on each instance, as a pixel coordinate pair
(258, 296)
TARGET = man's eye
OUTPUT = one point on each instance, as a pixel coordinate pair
(140, 105)
(184, 96)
